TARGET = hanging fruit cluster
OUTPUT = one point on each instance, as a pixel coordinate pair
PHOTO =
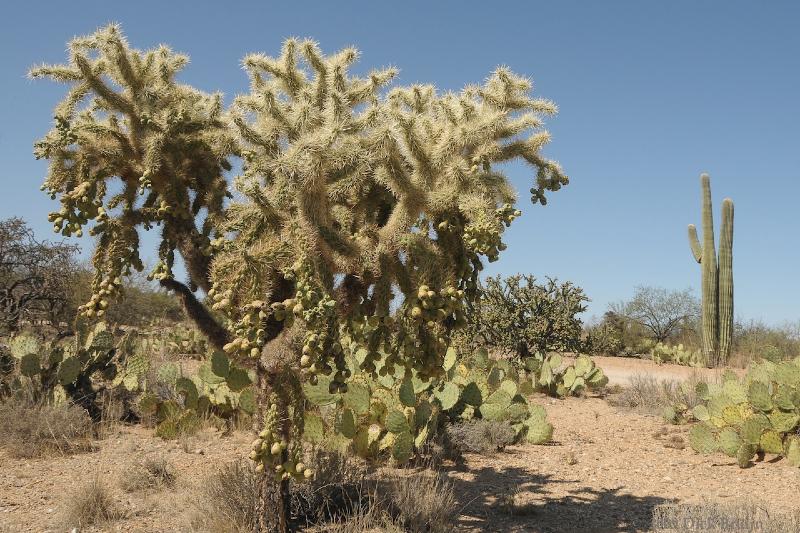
(272, 453)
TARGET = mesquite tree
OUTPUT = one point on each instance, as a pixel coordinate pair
(362, 219)
(35, 277)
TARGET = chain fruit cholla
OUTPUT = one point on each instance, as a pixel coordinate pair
(363, 219)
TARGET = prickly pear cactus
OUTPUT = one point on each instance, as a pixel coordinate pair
(663, 353)
(550, 376)
(757, 414)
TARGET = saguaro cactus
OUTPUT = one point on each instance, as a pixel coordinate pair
(717, 277)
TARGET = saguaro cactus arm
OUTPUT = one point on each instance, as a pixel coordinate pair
(694, 243)
(726, 279)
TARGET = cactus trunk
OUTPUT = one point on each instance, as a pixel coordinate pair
(726, 281)
(717, 280)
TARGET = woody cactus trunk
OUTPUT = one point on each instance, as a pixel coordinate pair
(364, 215)
(717, 278)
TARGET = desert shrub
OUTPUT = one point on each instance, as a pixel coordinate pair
(710, 516)
(481, 436)
(342, 496)
(148, 475)
(91, 504)
(422, 502)
(653, 396)
(756, 340)
(34, 430)
(519, 316)
(604, 338)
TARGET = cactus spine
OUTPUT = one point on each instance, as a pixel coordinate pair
(717, 277)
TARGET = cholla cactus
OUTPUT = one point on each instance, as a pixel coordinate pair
(365, 213)
(132, 149)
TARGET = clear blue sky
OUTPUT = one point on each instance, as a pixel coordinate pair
(650, 94)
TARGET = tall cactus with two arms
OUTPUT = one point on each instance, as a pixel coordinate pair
(717, 277)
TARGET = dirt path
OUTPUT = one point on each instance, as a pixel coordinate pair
(605, 472)
(621, 470)
(621, 369)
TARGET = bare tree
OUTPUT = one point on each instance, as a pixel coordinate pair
(35, 277)
(660, 311)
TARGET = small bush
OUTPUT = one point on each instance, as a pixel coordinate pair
(147, 475)
(481, 436)
(369, 520)
(35, 430)
(424, 502)
(90, 505)
(226, 501)
(652, 396)
(710, 516)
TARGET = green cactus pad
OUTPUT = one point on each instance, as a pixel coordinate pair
(396, 422)
(472, 395)
(569, 377)
(481, 358)
(731, 415)
(148, 404)
(247, 401)
(518, 411)
(422, 414)
(792, 451)
(759, 396)
(346, 423)
(546, 374)
(205, 373)
(319, 394)
(783, 397)
(237, 378)
(22, 345)
(526, 387)
(68, 371)
(555, 361)
(510, 387)
(167, 373)
(729, 441)
(29, 365)
(406, 393)
(753, 427)
(220, 364)
(771, 442)
(130, 382)
(787, 374)
(450, 358)
(313, 428)
(670, 414)
(701, 389)
(735, 391)
(540, 431)
(700, 412)
(495, 377)
(188, 390)
(357, 398)
(702, 439)
(537, 412)
(744, 454)
(403, 447)
(583, 365)
(577, 385)
(448, 395)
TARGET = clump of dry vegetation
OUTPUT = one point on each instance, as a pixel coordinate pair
(710, 516)
(650, 395)
(34, 429)
(342, 497)
(92, 504)
(480, 436)
(150, 474)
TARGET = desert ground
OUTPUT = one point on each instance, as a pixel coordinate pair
(606, 469)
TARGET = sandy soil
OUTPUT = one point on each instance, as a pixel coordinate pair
(606, 470)
(620, 370)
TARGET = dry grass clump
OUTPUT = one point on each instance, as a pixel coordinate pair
(422, 502)
(150, 474)
(35, 430)
(342, 497)
(710, 516)
(481, 436)
(650, 395)
(91, 504)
